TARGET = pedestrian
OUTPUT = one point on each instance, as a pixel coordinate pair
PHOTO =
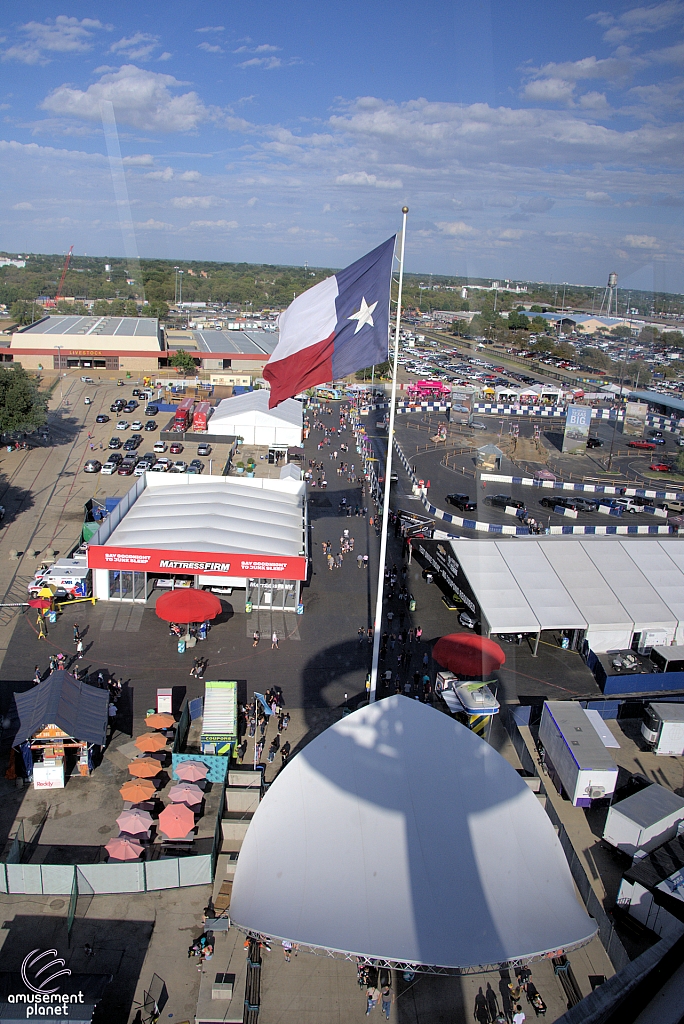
(419, 633)
(287, 949)
(79, 649)
(259, 749)
(274, 641)
(372, 996)
(256, 637)
(365, 561)
(390, 616)
(285, 752)
(361, 632)
(359, 561)
(426, 660)
(53, 663)
(37, 676)
(519, 1016)
(387, 997)
(242, 750)
(285, 720)
(77, 633)
(195, 667)
(273, 749)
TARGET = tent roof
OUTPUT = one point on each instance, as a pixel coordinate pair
(360, 846)
(215, 514)
(252, 408)
(548, 598)
(78, 709)
(501, 599)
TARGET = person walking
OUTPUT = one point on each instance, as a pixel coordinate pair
(519, 1015)
(359, 561)
(259, 749)
(285, 721)
(37, 676)
(79, 649)
(365, 561)
(285, 752)
(77, 633)
(274, 641)
(372, 996)
(256, 637)
(387, 998)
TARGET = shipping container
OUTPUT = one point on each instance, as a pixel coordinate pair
(574, 753)
(663, 728)
(644, 820)
(200, 417)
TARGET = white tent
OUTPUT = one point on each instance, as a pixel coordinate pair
(400, 835)
(249, 417)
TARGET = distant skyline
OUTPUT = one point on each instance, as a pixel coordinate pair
(539, 143)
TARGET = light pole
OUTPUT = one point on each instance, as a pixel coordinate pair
(175, 282)
(59, 364)
(180, 290)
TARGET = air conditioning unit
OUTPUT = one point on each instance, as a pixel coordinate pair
(596, 792)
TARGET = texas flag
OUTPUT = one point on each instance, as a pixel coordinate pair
(337, 327)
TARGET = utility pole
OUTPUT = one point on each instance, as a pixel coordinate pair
(612, 440)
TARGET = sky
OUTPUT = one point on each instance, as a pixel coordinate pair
(539, 140)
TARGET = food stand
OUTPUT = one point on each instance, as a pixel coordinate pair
(57, 724)
(219, 719)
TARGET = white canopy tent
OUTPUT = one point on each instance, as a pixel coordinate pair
(248, 416)
(360, 847)
(548, 598)
(661, 566)
(502, 602)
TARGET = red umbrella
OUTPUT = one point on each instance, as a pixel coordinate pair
(176, 821)
(40, 602)
(123, 848)
(466, 654)
(188, 605)
(191, 771)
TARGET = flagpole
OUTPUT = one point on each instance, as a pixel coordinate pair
(377, 626)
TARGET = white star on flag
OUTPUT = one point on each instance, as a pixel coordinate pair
(364, 315)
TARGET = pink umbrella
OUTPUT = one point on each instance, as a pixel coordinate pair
(123, 848)
(134, 821)
(191, 771)
(185, 793)
(176, 821)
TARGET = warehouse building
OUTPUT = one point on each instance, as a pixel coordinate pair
(91, 343)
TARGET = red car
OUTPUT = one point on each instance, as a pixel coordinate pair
(176, 448)
(647, 446)
(660, 467)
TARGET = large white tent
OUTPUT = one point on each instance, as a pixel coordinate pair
(399, 835)
(610, 587)
(249, 417)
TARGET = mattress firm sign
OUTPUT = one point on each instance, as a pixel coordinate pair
(196, 562)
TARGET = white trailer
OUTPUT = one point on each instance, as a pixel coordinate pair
(644, 820)
(663, 728)
(577, 760)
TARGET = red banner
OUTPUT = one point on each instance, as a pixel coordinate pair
(197, 562)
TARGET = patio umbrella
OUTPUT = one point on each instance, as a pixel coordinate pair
(134, 821)
(191, 771)
(160, 721)
(466, 654)
(186, 793)
(123, 848)
(176, 821)
(40, 602)
(137, 790)
(188, 605)
(150, 741)
(145, 767)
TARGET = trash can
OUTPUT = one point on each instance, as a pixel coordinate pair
(412, 603)
(181, 646)
(52, 617)
(248, 606)
(300, 608)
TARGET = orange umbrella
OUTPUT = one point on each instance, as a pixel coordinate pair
(150, 741)
(123, 848)
(144, 767)
(136, 790)
(176, 821)
(160, 721)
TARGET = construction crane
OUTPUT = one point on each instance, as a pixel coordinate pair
(51, 303)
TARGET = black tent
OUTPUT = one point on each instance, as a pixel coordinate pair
(78, 709)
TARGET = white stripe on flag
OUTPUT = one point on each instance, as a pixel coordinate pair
(308, 320)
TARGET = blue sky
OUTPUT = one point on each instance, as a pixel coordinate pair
(536, 140)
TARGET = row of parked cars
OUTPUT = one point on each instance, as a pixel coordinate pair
(632, 505)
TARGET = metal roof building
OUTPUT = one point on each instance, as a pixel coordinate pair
(90, 342)
(399, 836)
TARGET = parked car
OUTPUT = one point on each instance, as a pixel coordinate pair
(467, 620)
(158, 468)
(102, 418)
(203, 449)
(150, 425)
(461, 501)
(109, 468)
(126, 469)
(196, 464)
(594, 442)
(132, 405)
(120, 383)
(92, 466)
(503, 501)
(117, 406)
(151, 410)
(646, 446)
(115, 442)
(122, 425)
(136, 425)
(87, 380)
(658, 440)
(160, 447)
(179, 467)
(660, 467)
(87, 400)
(141, 468)
(136, 392)
(651, 433)
(176, 448)
(477, 425)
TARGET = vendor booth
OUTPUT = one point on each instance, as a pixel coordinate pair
(249, 417)
(58, 723)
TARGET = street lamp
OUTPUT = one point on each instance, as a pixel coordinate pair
(175, 283)
(180, 290)
(59, 370)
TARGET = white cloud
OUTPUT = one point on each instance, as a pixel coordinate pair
(165, 175)
(189, 176)
(457, 228)
(153, 225)
(363, 178)
(23, 206)
(210, 47)
(637, 21)
(596, 102)
(586, 69)
(63, 35)
(252, 201)
(142, 160)
(219, 225)
(668, 55)
(139, 46)
(549, 90)
(165, 55)
(602, 198)
(189, 202)
(641, 241)
(141, 98)
(512, 234)
(268, 63)
(211, 28)
(262, 48)
(538, 204)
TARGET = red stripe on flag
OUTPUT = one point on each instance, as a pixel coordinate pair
(303, 369)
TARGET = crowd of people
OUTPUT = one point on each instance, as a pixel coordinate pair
(253, 718)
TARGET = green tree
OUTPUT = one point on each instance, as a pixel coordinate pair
(672, 339)
(544, 345)
(621, 331)
(538, 323)
(680, 461)
(157, 308)
(22, 406)
(101, 308)
(381, 370)
(183, 361)
(535, 309)
(596, 360)
(22, 312)
(564, 350)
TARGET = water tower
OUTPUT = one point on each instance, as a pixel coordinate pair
(610, 295)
